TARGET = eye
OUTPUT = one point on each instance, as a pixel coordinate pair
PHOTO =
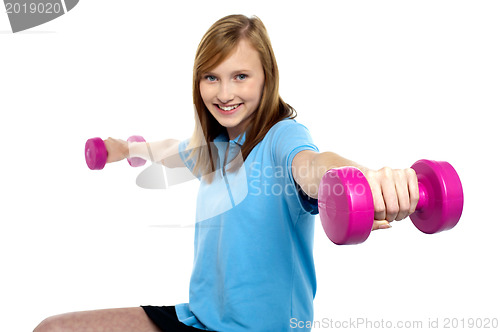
(241, 77)
(210, 78)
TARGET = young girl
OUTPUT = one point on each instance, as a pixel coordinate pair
(259, 174)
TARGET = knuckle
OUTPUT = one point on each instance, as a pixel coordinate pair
(400, 174)
(370, 175)
(386, 170)
(385, 174)
(410, 172)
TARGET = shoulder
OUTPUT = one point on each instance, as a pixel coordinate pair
(287, 127)
(286, 123)
(286, 138)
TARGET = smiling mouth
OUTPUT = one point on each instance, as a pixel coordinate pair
(227, 108)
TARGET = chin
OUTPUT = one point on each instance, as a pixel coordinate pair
(229, 124)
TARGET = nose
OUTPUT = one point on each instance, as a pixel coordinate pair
(225, 93)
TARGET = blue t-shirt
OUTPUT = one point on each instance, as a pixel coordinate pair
(253, 249)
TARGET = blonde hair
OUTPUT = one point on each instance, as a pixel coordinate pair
(216, 45)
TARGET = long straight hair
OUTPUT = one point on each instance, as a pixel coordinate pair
(216, 45)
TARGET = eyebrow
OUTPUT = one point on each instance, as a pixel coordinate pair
(232, 73)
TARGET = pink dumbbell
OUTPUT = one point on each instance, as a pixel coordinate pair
(96, 153)
(346, 204)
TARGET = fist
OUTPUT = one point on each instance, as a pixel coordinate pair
(395, 194)
(117, 149)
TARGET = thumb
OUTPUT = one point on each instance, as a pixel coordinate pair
(380, 224)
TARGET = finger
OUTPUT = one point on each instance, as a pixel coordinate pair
(107, 144)
(380, 224)
(378, 199)
(390, 195)
(403, 194)
(412, 189)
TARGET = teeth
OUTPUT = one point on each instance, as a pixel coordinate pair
(230, 108)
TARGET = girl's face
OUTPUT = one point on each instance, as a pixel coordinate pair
(232, 91)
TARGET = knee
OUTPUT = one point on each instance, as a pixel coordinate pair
(51, 324)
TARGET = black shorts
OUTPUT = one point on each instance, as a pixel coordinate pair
(166, 319)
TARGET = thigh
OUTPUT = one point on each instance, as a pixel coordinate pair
(107, 320)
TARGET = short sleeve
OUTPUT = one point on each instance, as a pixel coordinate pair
(289, 138)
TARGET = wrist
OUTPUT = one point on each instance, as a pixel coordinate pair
(126, 150)
(137, 149)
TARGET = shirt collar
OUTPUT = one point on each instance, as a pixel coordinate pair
(240, 139)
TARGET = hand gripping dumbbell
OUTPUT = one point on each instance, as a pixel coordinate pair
(346, 207)
(96, 153)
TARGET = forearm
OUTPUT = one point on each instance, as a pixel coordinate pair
(313, 170)
(328, 160)
(164, 152)
(395, 192)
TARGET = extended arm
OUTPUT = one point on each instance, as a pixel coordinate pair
(165, 152)
(395, 192)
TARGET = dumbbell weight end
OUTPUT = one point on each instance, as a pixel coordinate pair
(95, 153)
(441, 198)
(345, 207)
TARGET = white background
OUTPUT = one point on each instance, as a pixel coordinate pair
(381, 82)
